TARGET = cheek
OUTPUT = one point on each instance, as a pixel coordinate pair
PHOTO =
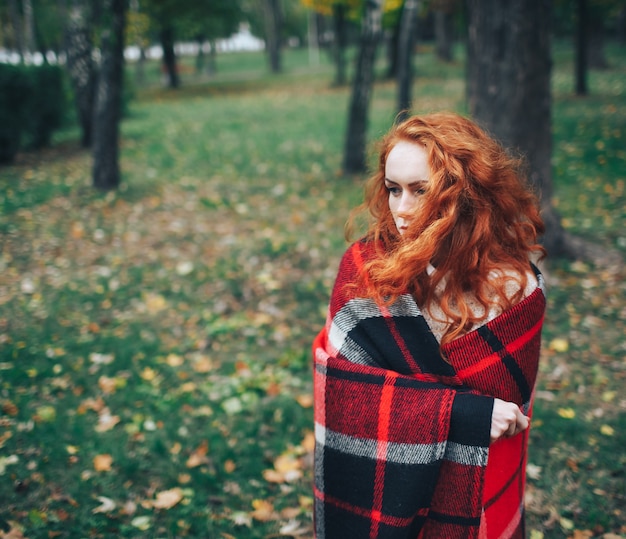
(393, 204)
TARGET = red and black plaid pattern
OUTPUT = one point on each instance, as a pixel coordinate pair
(402, 436)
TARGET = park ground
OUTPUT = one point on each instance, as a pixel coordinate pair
(155, 370)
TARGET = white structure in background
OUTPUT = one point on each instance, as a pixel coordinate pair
(243, 40)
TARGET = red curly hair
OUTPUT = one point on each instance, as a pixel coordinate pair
(478, 216)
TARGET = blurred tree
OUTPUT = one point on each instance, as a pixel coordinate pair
(273, 22)
(138, 34)
(444, 11)
(406, 46)
(80, 64)
(508, 91)
(580, 62)
(371, 31)
(341, 12)
(108, 102)
(17, 28)
(508, 88)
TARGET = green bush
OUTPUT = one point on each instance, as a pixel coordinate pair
(15, 88)
(32, 106)
(48, 104)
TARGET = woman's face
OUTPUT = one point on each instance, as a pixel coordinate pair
(406, 178)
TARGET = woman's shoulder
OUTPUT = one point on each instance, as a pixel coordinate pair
(513, 280)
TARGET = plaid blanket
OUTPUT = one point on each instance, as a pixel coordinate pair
(402, 436)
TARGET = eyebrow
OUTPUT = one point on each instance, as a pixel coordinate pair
(412, 184)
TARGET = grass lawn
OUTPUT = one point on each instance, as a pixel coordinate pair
(155, 373)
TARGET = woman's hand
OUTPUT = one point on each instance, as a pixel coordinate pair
(507, 420)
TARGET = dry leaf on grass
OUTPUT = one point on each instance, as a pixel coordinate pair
(102, 463)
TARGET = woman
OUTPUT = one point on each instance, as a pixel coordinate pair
(425, 369)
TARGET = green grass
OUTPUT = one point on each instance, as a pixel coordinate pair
(168, 325)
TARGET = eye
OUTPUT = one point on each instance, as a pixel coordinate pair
(394, 190)
(419, 190)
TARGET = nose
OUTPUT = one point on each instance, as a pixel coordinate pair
(407, 203)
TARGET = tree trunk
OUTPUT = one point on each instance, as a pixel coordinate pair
(443, 35)
(169, 56)
(29, 26)
(273, 18)
(371, 31)
(80, 65)
(580, 62)
(108, 106)
(200, 60)
(16, 23)
(596, 55)
(509, 94)
(406, 45)
(393, 50)
(212, 64)
(313, 39)
(340, 41)
(621, 26)
(509, 88)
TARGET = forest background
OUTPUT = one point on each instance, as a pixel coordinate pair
(155, 339)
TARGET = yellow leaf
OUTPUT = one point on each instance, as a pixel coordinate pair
(167, 498)
(263, 511)
(154, 302)
(607, 430)
(230, 466)
(148, 374)
(309, 442)
(608, 396)
(107, 385)
(567, 413)
(45, 414)
(174, 360)
(559, 345)
(272, 476)
(286, 463)
(305, 400)
(198, 457)
(202, 364)
(102, 463)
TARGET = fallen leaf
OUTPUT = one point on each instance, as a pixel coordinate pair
(559, 345)
(308, 443)
(305, 400)
(241, 518)
(567, 413)
(174, 360)
(9, 408)
(607, 430)
(13, 533)
(198, 456)
(167, 499)
(263, 511)
(45, 414)
(106, 421)
(142, 523)
(102, 463)
(107, 385)
(5, 461)
(533, 471)
(106, 505)
(155, 303)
